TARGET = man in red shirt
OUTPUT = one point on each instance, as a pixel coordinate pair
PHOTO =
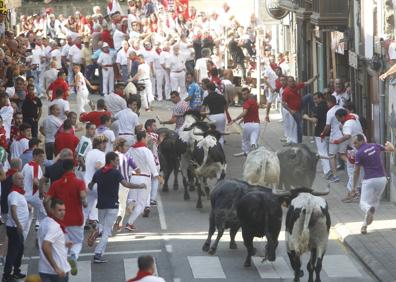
(66, 138)
(94, 117)
(251, 120)
(59, 83)
(292, 102)
(71, 190)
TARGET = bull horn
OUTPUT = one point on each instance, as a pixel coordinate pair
(280, 192)
(321, 193)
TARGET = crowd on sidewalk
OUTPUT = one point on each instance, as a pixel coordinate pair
(108, 177)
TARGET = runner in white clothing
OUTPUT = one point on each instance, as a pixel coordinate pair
(94, 160)
(81, 83)
(144, 159)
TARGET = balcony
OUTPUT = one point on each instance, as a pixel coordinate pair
(302, 8)
(330, 14)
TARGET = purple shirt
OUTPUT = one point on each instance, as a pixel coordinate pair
(369, 157)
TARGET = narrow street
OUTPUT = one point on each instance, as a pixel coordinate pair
(175, 232)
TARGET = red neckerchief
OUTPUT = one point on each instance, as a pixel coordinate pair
(35, 166)
(141, 274)
(79, 46)
(61, 224)
(139, 144)
(30, 97)
(17, 189)
(11, 172)
(20, 137)
(349, 117)
(107, 168)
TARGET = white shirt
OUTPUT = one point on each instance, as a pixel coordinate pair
(49, 76)
(144, 160)
(37, 53)
(186, 51)
(127, 120)
(51, 124)
(75, 55)
(177, 63)
(115, 103)
(118, 37)
(110, 136)
(81, 85)
(57, 56)
(65, 50)
(149, 56)
(51, 231)
(6, 114)
(271, 76)
(352, 127)
(335, 131)
(164, 58)
(18, 147)
(63, 105)
(28, 176)
(392, 50)
(156, 63)
(144, 71)
(22, 210)
(201, 67)
(151, 278)
(105, 59)
(341, 98)
(122, 57)
(93, 157)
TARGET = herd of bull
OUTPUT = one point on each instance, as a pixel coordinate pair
(270, 180)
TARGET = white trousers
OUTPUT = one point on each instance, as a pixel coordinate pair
(161, 78)
(91, 212)
(82, 101)
(147, 94)
(108, 80)
(250, 135)
(122, 199)
(107, 217)
(322, 147)
(37, 204)
(350, 171)
(139, 196)
(76, 235)
(290, 127)
(372, 190)
(154, 190)
(178, 83)
(220, 122)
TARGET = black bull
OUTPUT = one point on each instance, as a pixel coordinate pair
(236, 203)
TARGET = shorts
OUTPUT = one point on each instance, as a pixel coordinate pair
(341, 148)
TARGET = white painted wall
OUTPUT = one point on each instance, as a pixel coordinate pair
(368, 28)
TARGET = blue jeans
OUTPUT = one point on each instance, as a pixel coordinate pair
(89, 72)
(45, 277)
(124, 73)
(298, 118)
(36, 74)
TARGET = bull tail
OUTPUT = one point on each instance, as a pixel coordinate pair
(304, 237)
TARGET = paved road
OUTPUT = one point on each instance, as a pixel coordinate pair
(175, 232)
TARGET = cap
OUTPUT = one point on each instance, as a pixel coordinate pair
(105, 45)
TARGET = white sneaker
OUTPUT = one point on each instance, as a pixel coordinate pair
(239, 154)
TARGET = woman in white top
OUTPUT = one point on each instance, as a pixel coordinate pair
(80, 83)
(143, 77)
